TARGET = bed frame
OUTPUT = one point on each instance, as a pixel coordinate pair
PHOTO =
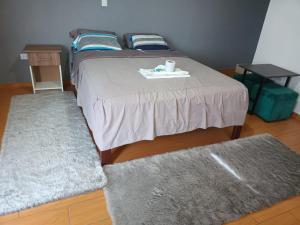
(106, 156)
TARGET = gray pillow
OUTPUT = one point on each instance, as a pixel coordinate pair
(76, 32)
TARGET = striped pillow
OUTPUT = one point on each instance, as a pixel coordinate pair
(149, 42)
(94, 41)
(75, 33)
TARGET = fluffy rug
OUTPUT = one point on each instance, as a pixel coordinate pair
(47, 152)
(205, 185)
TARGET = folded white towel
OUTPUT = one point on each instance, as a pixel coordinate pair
(159, 72)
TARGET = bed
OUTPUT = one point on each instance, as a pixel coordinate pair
(122, 107)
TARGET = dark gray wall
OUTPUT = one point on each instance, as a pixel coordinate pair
(219, 33)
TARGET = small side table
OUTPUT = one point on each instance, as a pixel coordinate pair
(45, 67)
(266, 71)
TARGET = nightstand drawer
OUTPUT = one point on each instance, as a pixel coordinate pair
(44, 59)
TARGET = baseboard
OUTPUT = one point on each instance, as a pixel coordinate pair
(67, 83)
(230, 72)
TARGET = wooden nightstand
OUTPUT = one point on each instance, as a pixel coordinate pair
(45, 67)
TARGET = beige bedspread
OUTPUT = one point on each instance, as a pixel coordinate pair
(122, 107)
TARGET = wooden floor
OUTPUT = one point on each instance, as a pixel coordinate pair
(90, 209)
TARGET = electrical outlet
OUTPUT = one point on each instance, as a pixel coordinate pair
(104, 3)
(24, 56)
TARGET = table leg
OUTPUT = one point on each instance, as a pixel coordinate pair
(257, 95)
(288, 79)
(244, 76)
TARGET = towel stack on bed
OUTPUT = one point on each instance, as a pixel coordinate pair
(160, 72)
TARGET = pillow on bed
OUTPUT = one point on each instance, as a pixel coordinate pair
(95, 41)
(128, 41)
(146, 41)
(74, 33)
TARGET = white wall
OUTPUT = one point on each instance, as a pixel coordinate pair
(279, 42)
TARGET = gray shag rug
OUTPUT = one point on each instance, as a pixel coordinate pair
(47, 152)
(206, 185)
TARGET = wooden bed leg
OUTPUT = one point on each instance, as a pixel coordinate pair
(236, 132)
(106, 157)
